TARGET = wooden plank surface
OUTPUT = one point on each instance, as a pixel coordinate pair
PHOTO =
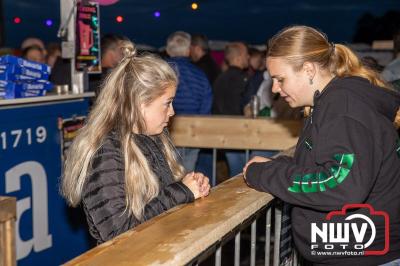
(179, 235)
(8, 208)
(7, 231)
(234, 132)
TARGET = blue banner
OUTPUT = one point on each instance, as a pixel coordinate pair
(48, 232)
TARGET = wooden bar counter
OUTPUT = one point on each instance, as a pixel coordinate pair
(179, 235)
(234, 132)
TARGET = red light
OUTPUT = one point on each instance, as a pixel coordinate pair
(119, 19)
(17, 20)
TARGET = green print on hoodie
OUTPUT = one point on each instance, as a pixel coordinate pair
(316, 182)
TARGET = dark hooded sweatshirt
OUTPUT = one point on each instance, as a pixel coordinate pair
(347, 153)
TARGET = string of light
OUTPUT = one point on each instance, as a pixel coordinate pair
(119, 18)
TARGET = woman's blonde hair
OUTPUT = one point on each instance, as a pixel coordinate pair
(137, 79)
(300, 44)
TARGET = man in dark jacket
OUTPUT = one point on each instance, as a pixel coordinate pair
(201, 57)
(230, 85)
(228, 93)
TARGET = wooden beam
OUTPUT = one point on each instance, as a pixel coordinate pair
(179, 235)
(7, 231)
(8, 208)
(234, 132)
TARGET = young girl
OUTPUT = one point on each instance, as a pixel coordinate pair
(348, 151)
(122, 165)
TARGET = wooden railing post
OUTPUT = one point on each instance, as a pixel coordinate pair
(8, 212)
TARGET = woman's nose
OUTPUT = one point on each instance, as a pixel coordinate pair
(275, 87)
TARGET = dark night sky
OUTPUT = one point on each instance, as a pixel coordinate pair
(252, 21)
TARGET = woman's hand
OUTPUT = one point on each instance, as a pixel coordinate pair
(204, 183)
(197, 183)
(255, 159)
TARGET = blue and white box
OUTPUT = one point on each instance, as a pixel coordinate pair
(13, 60)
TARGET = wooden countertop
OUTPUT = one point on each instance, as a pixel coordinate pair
(47, 98)
(179, 235)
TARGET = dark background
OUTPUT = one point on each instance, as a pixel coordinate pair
(248, 20)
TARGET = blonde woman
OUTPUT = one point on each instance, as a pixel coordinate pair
(348, 152)
(122, 165)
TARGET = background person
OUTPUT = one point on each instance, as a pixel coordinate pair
(32, 41)
(201, 57)
(34, 53)
(194, 93)
(348, 149)
(122, 165)
(229, 88)
(391, 73)
(53, 53)
(111, 55)
(256, 61)
(230, 85)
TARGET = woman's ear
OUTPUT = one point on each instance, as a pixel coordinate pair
(309, 69)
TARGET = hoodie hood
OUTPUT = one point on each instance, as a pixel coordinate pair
(383, 100)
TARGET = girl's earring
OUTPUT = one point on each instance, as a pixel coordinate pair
(311, 82)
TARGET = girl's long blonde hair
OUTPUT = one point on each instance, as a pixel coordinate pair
(137, 79)
(300, 44)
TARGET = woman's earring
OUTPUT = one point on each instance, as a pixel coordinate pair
(311, 82)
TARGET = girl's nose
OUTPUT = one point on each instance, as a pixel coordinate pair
(171, 111)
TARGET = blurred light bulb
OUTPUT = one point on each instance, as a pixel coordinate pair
(119, 19)
(49, 22)
(195, 6)
(17, 20)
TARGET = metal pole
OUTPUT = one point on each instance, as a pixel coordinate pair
(277, 234)
(214, 168)
(68, 20)
(268, 237)
(253, 243)
(218, 257)
(237, 249)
